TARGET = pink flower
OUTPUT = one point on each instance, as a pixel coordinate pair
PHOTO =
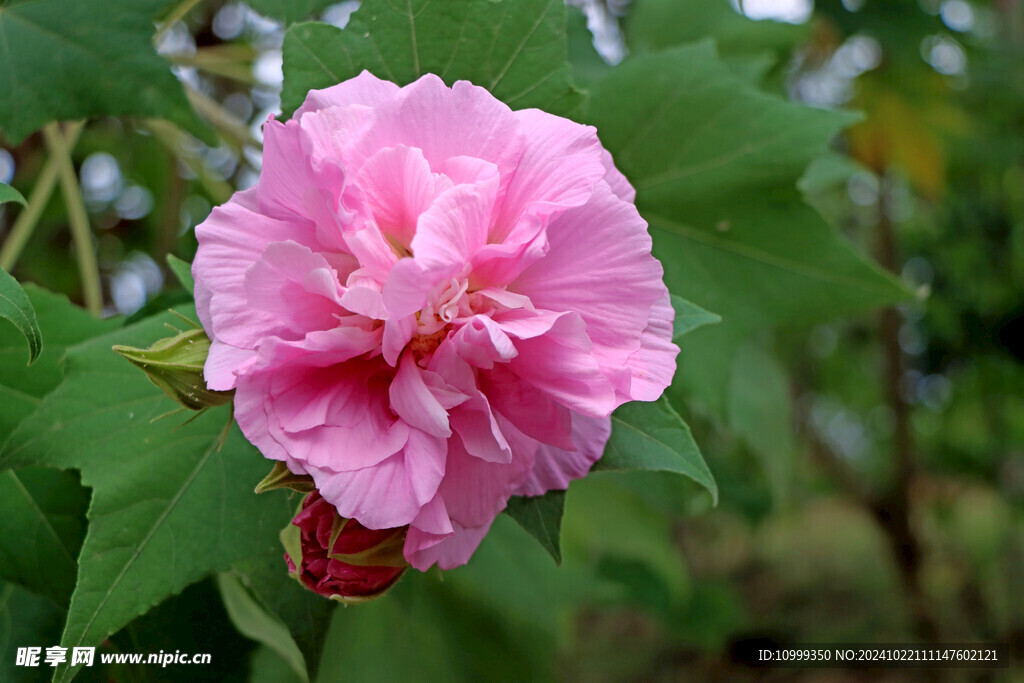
(326, 572)
(430, 303)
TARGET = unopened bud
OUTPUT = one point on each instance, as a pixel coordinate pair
(175, 364)
(340, 558)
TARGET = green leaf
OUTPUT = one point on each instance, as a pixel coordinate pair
(609, 519)
(256, 623)
(9, 194)
(305, 613)
(760, 412)
(500, 617)
(26, 620)
(183, 271)
(514, 48)
(690, 316)
(290, 11)
(659, 24)
(828, 171)
(652, 436)
(541, 516)
(15, 306)
(76, 59)
(62, 324)
(44, 523)
(170, 503)
(715, 164)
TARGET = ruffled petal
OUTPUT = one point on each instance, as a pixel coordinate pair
(451, 552)
(554, 468)
(464, 120)
(298, 287)
(398, 186)
(231, 240)
(654, 365)
(599, 265)
(365, 89)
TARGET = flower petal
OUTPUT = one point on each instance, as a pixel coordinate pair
(554, 468)
(600, 265)
(365, 89)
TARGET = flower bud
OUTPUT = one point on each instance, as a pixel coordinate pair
(340, 558)
(175, 364)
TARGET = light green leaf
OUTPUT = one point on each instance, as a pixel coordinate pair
(76, 59)
(62, 324)
(690, 316)
(183, 271)
(828, 171)
(44, 523)
(514, 48)
(16, 307)
(9, 194)
(169, 503)
(256, 623)
(305, 613)
(652, 436)
(541, 516)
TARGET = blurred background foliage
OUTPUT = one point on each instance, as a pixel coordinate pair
(871, 469)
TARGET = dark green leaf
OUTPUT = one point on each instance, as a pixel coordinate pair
(715, 164)
(499, 617)
(760, 412)
(76, 59)
(610, 519)
(9, 194)
(541, 516)
(183, 271)
(26, 620)
(16, 307)
(514, 48)
(690, 316)
(62, 324)
(169, 503)
(652, 436)
(44, 523)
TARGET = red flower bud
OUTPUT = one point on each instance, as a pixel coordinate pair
(340, 558)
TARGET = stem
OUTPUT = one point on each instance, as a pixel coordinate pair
(232, 127)
(176, 15)
(77, 218)
(25, 224)
(892, 510)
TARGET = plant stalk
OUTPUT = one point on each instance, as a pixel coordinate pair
(78, 219)
(25, 224)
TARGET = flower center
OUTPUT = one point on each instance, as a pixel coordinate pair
(425, 344)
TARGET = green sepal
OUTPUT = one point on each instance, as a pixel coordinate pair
(283, 478)
(388, 553)
(175, 364)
